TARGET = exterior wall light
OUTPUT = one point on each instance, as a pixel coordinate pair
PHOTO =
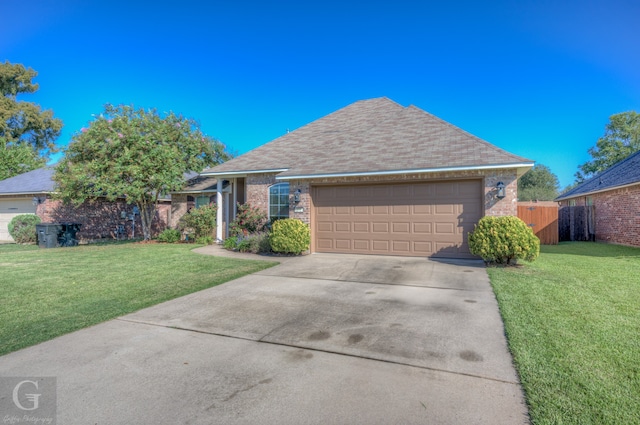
(37, 201)
(296, 196)
(501, 192)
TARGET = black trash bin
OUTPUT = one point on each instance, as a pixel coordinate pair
(48, 234)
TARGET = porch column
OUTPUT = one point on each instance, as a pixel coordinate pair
(226, 215)
(235, 197)
(219, 213)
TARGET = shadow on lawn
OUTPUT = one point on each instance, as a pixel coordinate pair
(591, 249)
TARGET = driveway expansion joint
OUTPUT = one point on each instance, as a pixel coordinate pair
(261, 341)
(368, 283)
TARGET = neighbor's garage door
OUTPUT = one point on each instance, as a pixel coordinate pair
(10, 208)
(418, 219)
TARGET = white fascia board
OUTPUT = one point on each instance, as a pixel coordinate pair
(242, 173)
(593, 192)
(412, 171)
(24, 193)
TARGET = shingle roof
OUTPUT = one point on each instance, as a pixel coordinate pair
(198, 183)
(623, 173)
(376, 135)
(36, 181)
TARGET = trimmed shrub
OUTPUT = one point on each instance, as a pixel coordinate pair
(230, 243)
(22, 228)
(255, 243)
(261, 243)
(500, 240)
(169, 236)
(199, 222)
(248, 220)
(290, 235)
(205, 240)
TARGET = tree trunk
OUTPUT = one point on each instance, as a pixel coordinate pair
(147, 213)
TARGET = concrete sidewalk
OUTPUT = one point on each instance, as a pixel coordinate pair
(319, 339)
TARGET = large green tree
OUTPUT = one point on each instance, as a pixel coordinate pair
(621, 138)
(538, 184)
(27, 133)
(137, 154)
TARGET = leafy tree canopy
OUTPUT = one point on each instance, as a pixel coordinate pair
(17, 159)
(621, 139)
(24, 122)
(538, 184)
(27, 133)
(137, 154)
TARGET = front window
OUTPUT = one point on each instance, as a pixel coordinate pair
(278, 201)
(202, 201)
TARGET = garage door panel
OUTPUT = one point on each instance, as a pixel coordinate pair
(361, 227)
(380, 246)
(445, 209)
(361, 245)
(343, 244)
(380, 227)
(9, 208)
(325, 226)
(444, 228)
(422, 219)
(422, 209)
(380, 209)
(324, 244)
(425, 248)
(401, 247)
(399, 227)
(343, 227)
(401, 209)
(470, 189)
(421, 227)
(361, 210)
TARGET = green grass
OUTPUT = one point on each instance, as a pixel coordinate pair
(572, 320)
(45, 293)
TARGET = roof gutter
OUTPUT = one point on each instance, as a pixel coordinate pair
(41, 192)
(411, 171)
(596, 191)
(243, 173)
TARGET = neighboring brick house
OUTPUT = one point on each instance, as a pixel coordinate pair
(376, 178)
(615, 195)
(198, 191)
(30, 193)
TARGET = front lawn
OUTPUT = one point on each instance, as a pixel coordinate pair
(45, 293)
(572, 320)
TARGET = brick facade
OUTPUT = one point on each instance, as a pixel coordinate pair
(617, 214)
(99, 219)
(257, 186)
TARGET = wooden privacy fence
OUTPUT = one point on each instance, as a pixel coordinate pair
(543, 220)
(577, 223)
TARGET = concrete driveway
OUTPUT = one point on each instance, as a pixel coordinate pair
(320, 339)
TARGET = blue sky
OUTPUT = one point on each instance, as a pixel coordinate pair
(537, 78)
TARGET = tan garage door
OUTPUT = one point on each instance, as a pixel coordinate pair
(10, 208)
(418, 219)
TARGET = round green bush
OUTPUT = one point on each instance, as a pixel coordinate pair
(290, 236)
(169, 236)
(200, 223)
(500, 240)
(22, 228)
